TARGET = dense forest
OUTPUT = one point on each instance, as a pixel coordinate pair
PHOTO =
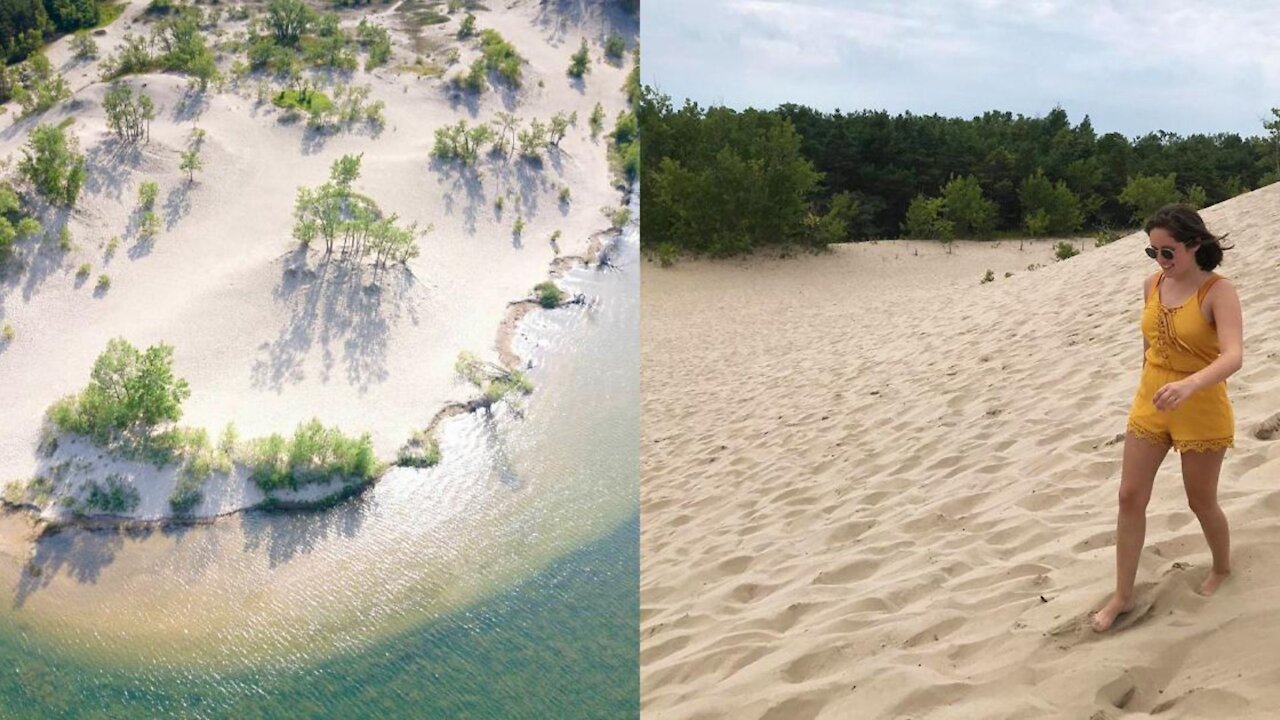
(722, 181)
(26, 25)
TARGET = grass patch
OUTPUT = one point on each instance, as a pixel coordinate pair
(108, 13)
(307, 101)
(501, 57)
(112, 496)
(423, 451)
(427, 70)
(315, 454)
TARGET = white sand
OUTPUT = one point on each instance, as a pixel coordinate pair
(266, 337)
(874, 488)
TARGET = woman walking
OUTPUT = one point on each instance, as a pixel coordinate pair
(1192, 342)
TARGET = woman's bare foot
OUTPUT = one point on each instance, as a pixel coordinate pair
(1212, 582)
(1106, 615)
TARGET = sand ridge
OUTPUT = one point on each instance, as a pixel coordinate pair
(874, 487)
(269, 336)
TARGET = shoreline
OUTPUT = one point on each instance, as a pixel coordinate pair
(517, 310)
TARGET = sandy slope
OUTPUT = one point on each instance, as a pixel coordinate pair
(872, 487)
(266, 335)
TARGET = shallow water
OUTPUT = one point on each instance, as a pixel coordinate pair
(503, 583)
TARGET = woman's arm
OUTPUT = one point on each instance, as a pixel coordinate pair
(1224, 307)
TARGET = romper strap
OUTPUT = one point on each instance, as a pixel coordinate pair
(1204, 289)
(1154, 286)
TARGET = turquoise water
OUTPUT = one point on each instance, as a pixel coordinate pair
(561, 644)
(502, 584)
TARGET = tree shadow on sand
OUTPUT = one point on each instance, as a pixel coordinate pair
(345, 308)
(80, 554)
(32, 261)
(285, 536)
(109, 165)
(461, 180)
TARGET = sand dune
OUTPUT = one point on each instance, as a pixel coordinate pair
(873, 487)
(266, 335)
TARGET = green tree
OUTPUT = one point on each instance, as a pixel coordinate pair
(52, 164)
(1148, 193)
(129, 391)
(1273, 126)
(128, 116)
(1196, 197)
(191, 162)
(560, 123)
(1048, 207)
(926, 219)
(580, 62)
(971, 214)
(288, 20)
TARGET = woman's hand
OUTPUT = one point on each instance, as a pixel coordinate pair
(1172, 395)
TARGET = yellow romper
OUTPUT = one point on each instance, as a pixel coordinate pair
(1181, 343)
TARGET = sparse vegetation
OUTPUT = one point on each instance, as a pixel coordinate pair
(128, 116)
(533, 140)
(64, 239)
(147, 193)
(38, 86)
(615, 47)
(104, 283)
(333, 210)
(1063, 250)
(423, 451)
(474, 79)
(148, 225)
(988, 277)
(667, 253)
(549, 294)
(496, 382)
(190, 163)
(560, 124)
(83, 46)
(468, 27)
(112, 496)
(52, 165)
(580, 62)
(15, 222)
(461, 142)
(596, 121)
(84, 271)
(8, 333)
(501, 57)
(377, 41)
(565, 195)
(315, 454)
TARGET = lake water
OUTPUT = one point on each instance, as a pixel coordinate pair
(503, 583)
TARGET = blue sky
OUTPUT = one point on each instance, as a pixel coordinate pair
(1133, 67)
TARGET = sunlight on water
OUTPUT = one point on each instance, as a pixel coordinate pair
(520, 500)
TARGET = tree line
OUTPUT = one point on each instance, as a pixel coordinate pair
(722, 181)
(25, 25)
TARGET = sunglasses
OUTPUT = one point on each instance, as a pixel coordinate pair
(1166, 253)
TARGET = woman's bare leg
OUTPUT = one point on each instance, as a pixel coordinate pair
(1200, 478)
(1142, 459)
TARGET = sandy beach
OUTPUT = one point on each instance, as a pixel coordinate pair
(267, 335)
(874, 487)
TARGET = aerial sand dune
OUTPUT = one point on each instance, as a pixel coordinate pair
(873, 487)
(267, 335)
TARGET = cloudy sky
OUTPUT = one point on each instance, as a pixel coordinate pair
(1131, 66)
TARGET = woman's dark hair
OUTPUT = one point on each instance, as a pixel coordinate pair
(1187, 227)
